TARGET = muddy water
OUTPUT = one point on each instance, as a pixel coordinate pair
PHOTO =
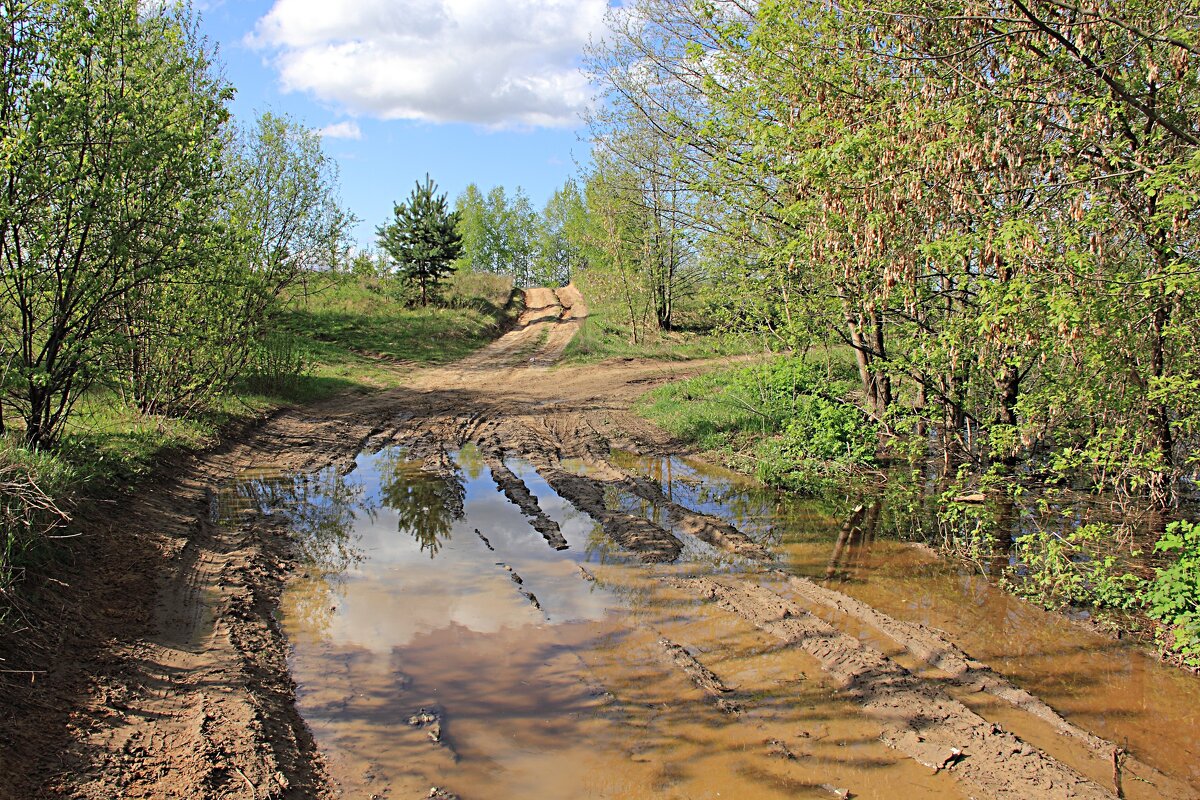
(423, 662)
(438, 641)
(1104, 685)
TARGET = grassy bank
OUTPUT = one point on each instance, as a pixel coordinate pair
(788, 421)
(611, 331)
(340, 333)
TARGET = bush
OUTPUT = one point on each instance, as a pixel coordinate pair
(1173, 597)
(1075, 568)
(821, 440)
(278, 365)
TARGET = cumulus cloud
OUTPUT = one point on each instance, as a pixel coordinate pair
(498, 63)
(341, 130)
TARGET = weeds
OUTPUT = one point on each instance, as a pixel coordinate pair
(28, 512)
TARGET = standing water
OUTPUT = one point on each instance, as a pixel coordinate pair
(441, 643)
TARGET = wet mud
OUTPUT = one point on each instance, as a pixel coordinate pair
(498, 582)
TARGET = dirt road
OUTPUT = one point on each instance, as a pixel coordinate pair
(166, 671)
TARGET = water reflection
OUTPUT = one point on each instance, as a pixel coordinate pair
(426, 505)
(320, 511)
(402, 606)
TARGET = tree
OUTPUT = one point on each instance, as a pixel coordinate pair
(473, 222)
(111, 120)
(994, 205)
(520, 228)
(563, 232)
(423, 239)
(193, 334)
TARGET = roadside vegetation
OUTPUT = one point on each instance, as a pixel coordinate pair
(992, 208)
(166, 273)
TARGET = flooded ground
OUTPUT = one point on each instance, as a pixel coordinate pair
(440, 642)
(496, 599)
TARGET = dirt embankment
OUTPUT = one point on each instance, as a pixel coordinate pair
(157, 669)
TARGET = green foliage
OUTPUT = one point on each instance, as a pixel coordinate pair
(822, 434)
(1077, 567)
(503, 235)
(278, 366)
(607, 332)
(423, 239)
(112, 120)
(784, 420)
(561, 251)
(1004, 234)
(1173, 597)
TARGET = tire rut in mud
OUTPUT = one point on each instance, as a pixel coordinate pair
(916, 717)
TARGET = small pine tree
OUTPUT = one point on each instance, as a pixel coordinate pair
(423, 238)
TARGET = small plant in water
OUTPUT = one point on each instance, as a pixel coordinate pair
(1075, 568)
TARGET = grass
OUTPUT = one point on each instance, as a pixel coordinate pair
(711, 411)
(781, 420)
(362, 334)
(607, 333)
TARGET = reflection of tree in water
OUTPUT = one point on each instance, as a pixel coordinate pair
(471, 460)
(320, 509)
(427, 505)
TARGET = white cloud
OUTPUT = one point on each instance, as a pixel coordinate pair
(497, 63)
(341, 130)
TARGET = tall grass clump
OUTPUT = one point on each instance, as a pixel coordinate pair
(32, 487)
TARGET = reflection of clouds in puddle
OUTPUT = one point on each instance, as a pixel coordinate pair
(450, 615)
(424, 571)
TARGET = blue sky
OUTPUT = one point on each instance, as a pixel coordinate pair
(482, 91)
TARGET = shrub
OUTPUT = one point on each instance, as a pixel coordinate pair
(1173, 597)
(1075, 568)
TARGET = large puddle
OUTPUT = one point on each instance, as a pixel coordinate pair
(439, 641)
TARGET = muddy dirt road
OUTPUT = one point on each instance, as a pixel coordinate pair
(498, 582)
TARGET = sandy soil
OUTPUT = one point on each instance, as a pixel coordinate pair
(156, 668)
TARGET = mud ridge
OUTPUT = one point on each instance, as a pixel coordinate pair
(700, 675)
(519, 495)
(647, 541)
(915, 717)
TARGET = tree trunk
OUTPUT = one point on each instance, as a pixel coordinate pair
(883, 381)
(863, 357)
(1008, 385)
(1160, 415)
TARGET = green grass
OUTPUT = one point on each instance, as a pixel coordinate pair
(710, 411)
(607, 333)
(784, 420)
(363, 334)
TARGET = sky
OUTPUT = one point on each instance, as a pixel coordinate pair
(469, 91)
